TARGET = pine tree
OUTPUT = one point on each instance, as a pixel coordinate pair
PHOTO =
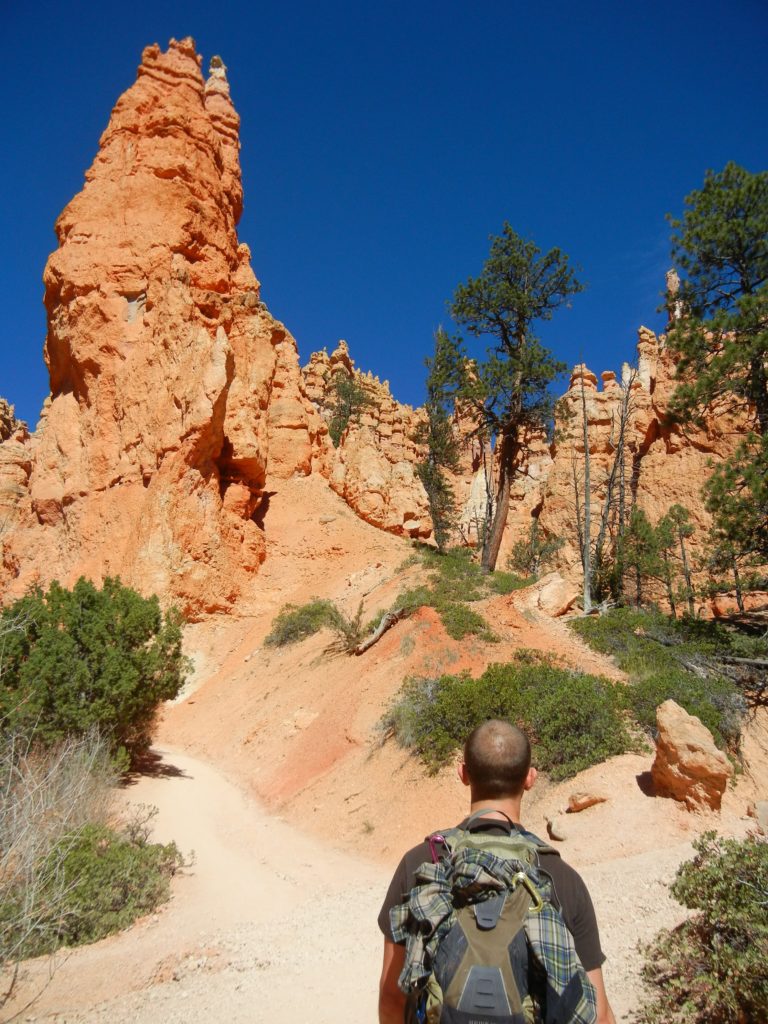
(638, 554)
(720, 336)
(531, 555)
(672, 531)
(667, 543)
(507, 391)
(346, 401)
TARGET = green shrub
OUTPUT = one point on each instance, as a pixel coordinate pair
(715, 702)
(506, 582)
(455, 578)
(93, 882)
(455, 573)
(65, 876)
(577, 723)
(294, 623)
(45, 794)
(72, 661)
(460, 621)
(417, 597)
(656, 673)
(713, 968)
(575, 720)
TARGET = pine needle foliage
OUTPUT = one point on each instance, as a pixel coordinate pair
(506, 392)
(535, 553)
(347, 400)
(75, 660)
(438, 437)
(720, 337)
(297, 622)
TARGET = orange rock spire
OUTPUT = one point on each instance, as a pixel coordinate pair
(160, 433)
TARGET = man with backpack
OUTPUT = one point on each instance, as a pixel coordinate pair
(484, 922)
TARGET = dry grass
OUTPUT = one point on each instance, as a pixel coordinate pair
(46, 798)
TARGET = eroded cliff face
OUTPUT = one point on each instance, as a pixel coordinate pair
(175, 395)
(373, 468)
(15, 470)
(665, 464)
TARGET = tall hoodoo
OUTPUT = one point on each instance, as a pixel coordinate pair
(154, 454)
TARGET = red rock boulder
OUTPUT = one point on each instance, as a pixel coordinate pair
(688, 766)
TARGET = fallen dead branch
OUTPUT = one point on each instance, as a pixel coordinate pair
(386, 623)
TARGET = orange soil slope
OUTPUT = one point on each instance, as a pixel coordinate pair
(300, 727)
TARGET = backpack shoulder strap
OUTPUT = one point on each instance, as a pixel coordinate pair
(483, 812)
(541, 846)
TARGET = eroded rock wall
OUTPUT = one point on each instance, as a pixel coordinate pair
(665, 463)
(374, 467)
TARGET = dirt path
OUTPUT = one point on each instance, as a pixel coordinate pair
(266, 925)
(271, 924)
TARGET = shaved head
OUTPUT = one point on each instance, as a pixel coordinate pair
(497, 756)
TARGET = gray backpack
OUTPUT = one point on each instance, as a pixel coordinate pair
(484, 942)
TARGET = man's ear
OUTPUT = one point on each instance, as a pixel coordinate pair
(530, 779)
(461, 771)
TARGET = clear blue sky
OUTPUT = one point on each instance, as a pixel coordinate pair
(383, 143)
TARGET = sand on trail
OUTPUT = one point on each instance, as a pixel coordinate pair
(266, 924)
(298, 807)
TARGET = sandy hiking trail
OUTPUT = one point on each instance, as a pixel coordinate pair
(267, 924)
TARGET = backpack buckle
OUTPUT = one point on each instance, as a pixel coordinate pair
(521, 878)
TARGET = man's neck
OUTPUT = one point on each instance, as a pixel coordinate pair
(499, 807)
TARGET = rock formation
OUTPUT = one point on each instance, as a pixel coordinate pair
(664, 464)
(373, 468)
(8, 422)
(177, 401)
(175, 395)
(688, 766)
(15, 469)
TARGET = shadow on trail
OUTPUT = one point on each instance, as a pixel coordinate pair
(151, 764)
(645, 783)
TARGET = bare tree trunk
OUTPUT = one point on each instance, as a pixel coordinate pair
(386, 623)
(668, 584)
(586, 553)
(758, 391)
(616, 473)
(490, 500)
(737, 582)
(622, 494)
(687, 575)
(577, 504)
(494, 535)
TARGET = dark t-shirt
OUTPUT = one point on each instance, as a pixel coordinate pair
(570, 894)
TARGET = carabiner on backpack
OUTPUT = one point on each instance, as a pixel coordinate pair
(520, 878)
